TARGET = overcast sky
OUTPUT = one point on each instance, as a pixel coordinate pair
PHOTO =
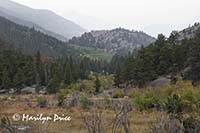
(149, 15)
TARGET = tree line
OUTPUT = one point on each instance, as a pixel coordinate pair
(166, 56)
(18, 70)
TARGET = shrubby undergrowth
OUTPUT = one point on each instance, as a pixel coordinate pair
(180, 103)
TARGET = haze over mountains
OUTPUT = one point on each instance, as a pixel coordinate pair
(44, 20)
(111, 41)
(89, 22)
(28, 40)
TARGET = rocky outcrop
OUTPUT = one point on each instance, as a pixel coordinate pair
(187, 33)
(114, 41)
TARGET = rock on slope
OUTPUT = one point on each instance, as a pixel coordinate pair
(114, 41)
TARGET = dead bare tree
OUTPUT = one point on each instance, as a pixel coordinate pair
(121, 120)
(167, 124)
(6, 124)
(94, 121)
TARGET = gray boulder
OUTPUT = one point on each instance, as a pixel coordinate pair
(3, 91)
(28, 90)
(160, 82)
(12, 91)
(43, 91)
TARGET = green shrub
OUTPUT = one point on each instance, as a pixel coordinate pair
(108, 102)
(42, 102)
(146, 100)
(135, 93)
(191, 99)
(188, 95)
(66, 91)
(85, 102)
(169, 98)
(61, 100)
(118, 94)
(174, 105)
(107, 82)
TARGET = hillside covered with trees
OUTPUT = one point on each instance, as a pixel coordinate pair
(166, 56)
(18, 70)
(29, 41)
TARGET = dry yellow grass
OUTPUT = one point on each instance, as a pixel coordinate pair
(140, 121)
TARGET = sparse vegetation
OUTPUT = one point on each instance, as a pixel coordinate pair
(85, 103)
(119, 94)
(61, 100)
(42, 102)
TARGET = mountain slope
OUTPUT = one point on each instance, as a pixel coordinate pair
(188, 33)
(30, 24)
(114, 41)
(46, 19)
(30, 41)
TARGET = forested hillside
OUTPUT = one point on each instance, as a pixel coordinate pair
(18, 70)
(30, 41)
(166, 56)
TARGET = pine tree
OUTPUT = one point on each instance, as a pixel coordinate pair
(97, 85)
(194, 59)
(38, 68)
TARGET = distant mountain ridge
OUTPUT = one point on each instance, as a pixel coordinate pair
(44, 20)
(31, 25)
(29, 41)
(114, 41)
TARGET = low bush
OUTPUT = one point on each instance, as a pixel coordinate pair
(108, 102)
(146, 100)
(85, 102)
(61, 100)
(181, 94)
(174, 106)
(119, 94)
(42, 102)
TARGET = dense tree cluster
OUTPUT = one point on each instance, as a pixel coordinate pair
(18, 70)
(15, 69)
(167, 56)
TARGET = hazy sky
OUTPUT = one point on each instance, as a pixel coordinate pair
(150, 15)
